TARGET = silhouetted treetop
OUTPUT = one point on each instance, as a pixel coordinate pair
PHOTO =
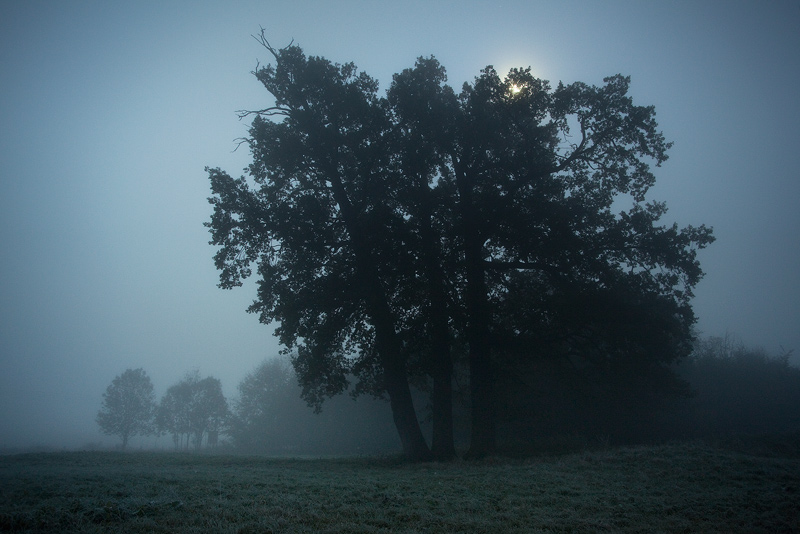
(511, 219)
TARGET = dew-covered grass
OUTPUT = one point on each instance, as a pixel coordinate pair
(681, 487)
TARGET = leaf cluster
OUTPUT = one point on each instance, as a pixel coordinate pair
(532, 177)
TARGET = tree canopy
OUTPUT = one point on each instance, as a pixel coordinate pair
(191, 409)
(128, 406)
(510, 219)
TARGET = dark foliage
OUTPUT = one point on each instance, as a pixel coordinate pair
(509, 220)
(722, 390)
(738, 391)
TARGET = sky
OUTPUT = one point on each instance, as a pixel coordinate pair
(110, 111)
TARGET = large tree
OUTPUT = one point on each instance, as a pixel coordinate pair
(128, 406)
(510, 218)
(542, 214)
(330, 272)
(421, 109)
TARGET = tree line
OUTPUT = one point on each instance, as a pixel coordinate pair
(400, 240)
(190, 411)
(722, 389)
(726, 389)
(268, 416)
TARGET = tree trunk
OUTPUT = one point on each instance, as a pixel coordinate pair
(395, 376)
(443, 445)
(441, 369)
(481, 376)
(405, 417)
(481, 373)
(483, 436)
(441, 361)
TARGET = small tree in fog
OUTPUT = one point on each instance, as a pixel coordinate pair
(269, 398)
(270, 417)
(209, 409)
(128, 406)
(191, 408)
(173, 413)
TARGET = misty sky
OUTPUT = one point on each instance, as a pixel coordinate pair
(109, 112)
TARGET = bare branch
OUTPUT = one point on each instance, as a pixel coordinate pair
(266, 112)
(518, 265)
(262, 40)
(576, 153)
(239, 142)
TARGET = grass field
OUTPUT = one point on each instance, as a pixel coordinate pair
(681, 487)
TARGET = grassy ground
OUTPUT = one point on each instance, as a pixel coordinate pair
(685, 487)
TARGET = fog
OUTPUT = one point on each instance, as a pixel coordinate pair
(110, 112)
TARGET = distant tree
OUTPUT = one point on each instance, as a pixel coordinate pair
(209, 409)
(192, 408)
(128, 406)
(387, 231)
(172, 415)
(269, 416)
(268, 402)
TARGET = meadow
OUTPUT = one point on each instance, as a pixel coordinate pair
(738, 486)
